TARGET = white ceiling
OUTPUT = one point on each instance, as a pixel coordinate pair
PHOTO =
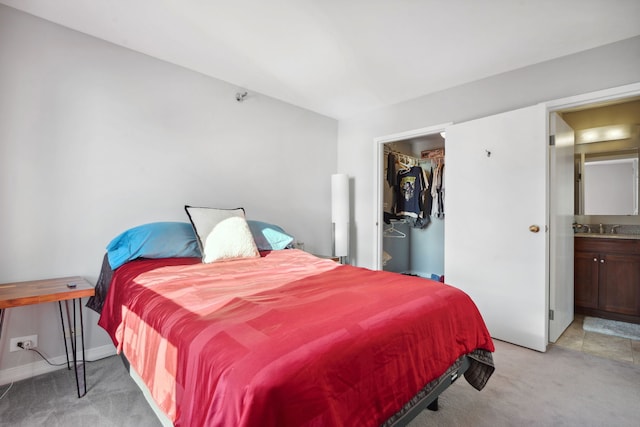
(343, 57)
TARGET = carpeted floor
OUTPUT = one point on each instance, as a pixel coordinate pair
(561, 387)
(612, 327)
(112, 400)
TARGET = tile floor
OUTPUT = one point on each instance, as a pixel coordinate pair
(608, 346)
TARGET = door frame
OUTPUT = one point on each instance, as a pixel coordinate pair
(605, 95)
(378, 179)
(602, 96)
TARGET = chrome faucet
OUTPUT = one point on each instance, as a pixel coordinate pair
(601, 229)
(613, 228)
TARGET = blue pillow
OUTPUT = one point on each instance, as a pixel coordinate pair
(269, 237)
(154, 240)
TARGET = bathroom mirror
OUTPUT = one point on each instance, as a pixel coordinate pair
(607, 183)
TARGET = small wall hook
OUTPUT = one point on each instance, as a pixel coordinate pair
(488, 153)
(240, 96)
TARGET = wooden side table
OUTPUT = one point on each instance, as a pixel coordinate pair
(65, 289)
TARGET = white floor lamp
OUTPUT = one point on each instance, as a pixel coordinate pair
(340, 216)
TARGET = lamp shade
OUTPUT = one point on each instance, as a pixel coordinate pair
(339, 198)
(340, 214)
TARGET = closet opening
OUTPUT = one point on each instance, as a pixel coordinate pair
(412, 204)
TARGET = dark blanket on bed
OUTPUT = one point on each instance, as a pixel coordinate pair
(102, 286)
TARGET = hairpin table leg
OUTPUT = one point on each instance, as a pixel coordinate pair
(64, 335)
(1, 320)
(78, 365)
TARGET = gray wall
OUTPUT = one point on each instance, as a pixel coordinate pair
(95, 138)
(601, 68)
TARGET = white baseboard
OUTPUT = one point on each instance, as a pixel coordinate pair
(41, 367)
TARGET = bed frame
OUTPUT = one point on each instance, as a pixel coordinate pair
(427, 398)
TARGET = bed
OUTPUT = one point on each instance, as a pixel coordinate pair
(286, 338)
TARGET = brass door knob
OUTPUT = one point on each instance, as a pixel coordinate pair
(534, 228)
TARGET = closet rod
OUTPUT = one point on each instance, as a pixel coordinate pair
(401, 156)
(435, 154)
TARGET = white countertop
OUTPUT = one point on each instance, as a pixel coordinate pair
(609, 236)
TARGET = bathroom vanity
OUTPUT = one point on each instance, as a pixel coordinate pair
(607, 276)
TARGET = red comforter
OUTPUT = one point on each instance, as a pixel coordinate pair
(287, 339)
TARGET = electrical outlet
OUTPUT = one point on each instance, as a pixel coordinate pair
(13, 343)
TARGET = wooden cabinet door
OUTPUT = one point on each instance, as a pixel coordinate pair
(620, 284)
(586, 279)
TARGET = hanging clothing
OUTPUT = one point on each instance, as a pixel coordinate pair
(391, 170)
(389, 189)
(428, 196)
(410, 196)
(437, 192)
(410, 187)
(441, 194)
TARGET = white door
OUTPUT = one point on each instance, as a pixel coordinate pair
(561, 207)
(496, 184)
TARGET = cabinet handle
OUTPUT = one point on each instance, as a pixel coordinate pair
(601, 261)
(595, 260)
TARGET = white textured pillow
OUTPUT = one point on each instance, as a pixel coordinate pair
(230, 238)
(220, 238)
